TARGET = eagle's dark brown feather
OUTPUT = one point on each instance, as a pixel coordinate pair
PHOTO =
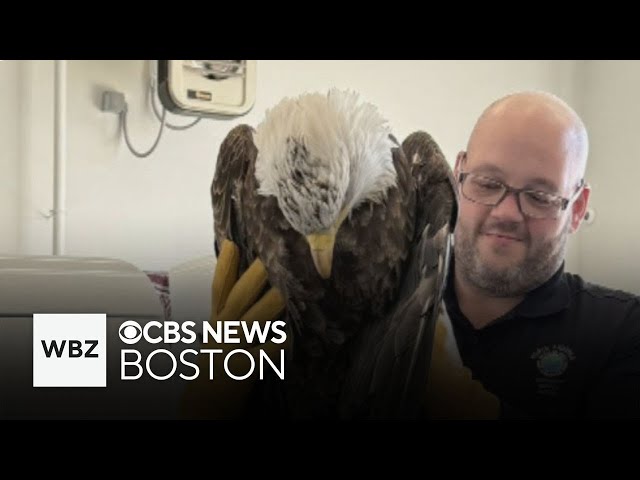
(436, 190)
(236, 156)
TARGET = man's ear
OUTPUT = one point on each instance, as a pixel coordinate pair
(462, 155)
(579, 208)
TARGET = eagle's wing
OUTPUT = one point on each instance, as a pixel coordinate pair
(401, 373)
(436, 201)
(236, 158)
(389, 375)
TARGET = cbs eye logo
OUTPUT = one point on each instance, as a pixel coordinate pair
(130, 332)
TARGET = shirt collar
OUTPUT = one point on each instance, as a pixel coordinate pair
(551, 297)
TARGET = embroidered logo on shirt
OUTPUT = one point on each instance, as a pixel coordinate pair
(553, 361)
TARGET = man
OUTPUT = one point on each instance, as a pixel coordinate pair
(544, 341)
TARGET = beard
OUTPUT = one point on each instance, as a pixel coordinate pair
(541, 261)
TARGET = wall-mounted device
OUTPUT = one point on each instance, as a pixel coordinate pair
(210, 88)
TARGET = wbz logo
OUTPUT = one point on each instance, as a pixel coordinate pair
(74, 350)
(69, 350)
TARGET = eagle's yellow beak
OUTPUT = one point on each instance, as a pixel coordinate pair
(321, 245)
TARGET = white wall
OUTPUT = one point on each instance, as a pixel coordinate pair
(611, 102)
(9, 153)
(155, 212)
(34, 178)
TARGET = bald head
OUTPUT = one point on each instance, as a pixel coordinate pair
(535, 121)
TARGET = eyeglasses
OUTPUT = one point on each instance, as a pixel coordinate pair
(532, 203)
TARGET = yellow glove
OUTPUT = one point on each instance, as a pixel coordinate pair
(233, 298)
(451, 392)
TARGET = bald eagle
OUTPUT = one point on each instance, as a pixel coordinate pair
(325, 196)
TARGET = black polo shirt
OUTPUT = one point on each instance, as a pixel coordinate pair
(570, 349)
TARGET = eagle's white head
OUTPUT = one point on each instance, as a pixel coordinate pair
(321, 156)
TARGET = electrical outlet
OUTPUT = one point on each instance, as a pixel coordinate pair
(113, 101)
